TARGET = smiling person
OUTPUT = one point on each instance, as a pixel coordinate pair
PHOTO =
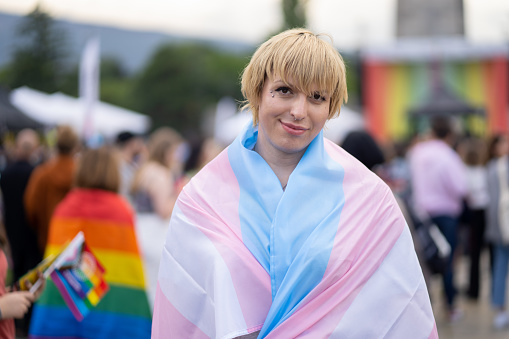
(284, 234)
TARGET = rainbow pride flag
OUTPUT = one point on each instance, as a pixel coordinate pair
(107, 224)
(330, 256)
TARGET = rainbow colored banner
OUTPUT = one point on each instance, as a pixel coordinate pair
(392, 88)
(107, 223)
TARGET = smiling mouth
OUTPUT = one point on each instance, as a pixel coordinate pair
(293, 129)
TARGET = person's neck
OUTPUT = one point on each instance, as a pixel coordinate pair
(281, 163)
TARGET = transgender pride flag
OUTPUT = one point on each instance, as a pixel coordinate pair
(329, 257)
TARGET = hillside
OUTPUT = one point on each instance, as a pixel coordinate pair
(132, 48)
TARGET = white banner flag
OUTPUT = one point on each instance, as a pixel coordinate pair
(89, 83)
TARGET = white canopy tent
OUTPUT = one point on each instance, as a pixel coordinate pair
(57, 109)
(229, 123)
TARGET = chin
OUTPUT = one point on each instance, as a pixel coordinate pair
(292, 149)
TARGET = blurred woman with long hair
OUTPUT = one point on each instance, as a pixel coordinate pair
(156, 186)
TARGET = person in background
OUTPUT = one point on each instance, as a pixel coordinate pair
(25, 251)
(49, 183)
(364, 148)
(14, 304)
(284, 234)
(94, 207)
(496, 234)
(439, 186)
(154, 184)
(130, 147)
(203, 150)
(397, 170)
(154, 192)
(495, 150)
(477, 201)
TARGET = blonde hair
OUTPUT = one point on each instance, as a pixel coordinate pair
(303, 56)
(99, 169)
(160, 142)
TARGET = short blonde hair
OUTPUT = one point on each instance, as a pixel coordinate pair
(303, 56)
(99, 169)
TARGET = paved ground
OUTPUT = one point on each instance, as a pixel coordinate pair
(478, 316)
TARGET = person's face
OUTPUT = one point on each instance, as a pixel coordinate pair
(289, 119)
(502, 148)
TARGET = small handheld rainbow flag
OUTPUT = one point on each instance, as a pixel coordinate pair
(79, 277)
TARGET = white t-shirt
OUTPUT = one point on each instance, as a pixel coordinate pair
(478, 196)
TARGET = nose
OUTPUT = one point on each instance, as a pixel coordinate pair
(299, 107)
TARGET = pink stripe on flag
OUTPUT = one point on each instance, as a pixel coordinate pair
(167, 317)
(250, 280)
(66, 296)
(223, 178)
(357, 253)
(373, 209)
(434, 333)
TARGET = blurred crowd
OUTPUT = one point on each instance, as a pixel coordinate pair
(449, 179)
(39, 173)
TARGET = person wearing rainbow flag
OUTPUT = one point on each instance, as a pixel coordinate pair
(284, 234)
(120, 307)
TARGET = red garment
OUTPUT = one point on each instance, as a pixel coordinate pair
(7, 329)
(47, 186)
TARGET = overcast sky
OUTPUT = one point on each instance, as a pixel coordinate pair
(350, 22)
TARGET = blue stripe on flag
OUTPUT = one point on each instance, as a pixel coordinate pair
(290, 233)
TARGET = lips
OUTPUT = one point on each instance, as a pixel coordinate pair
(293, 129)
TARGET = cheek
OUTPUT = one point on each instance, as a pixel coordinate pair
(321, 118)
(268, 110)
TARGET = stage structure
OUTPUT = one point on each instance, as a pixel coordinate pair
(433, 69)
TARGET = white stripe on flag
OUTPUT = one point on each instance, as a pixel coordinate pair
(396, 295)
(199, 286)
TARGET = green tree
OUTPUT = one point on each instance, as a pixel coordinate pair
(182, 81)
(116, 85)
(38, 60)
(353, 74)
(294, 14)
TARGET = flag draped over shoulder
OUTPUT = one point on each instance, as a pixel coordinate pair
(329, 257)
(107, 225)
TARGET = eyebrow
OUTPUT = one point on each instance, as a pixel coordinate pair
(280, 81)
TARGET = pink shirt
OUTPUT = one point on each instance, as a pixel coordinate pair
(438, 178)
